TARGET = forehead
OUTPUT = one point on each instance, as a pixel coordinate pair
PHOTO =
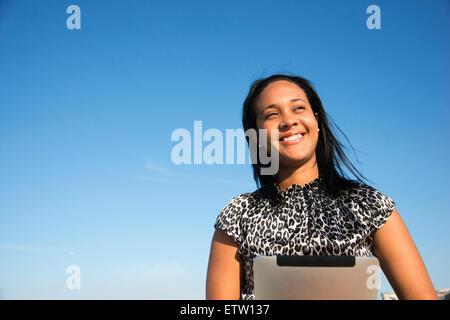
(279, 92)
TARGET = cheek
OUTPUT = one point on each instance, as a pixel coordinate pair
(312, 122)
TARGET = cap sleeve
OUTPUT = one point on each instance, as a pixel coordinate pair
(229, 219)
(380, 207)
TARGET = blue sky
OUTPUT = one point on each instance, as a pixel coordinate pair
(86, 118)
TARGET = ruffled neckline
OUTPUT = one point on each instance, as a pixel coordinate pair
(297, 189)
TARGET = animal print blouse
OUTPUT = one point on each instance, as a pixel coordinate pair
(303, 221)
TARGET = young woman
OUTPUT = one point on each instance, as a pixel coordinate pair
(307, 207)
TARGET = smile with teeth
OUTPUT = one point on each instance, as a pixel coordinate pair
(293, 139)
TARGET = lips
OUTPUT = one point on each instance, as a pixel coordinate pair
(292, 138)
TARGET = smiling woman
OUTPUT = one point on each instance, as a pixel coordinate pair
(308, 207)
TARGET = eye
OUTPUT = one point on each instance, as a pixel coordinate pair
(299, 107)
(269, 115)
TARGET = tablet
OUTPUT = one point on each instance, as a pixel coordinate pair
(316, 277)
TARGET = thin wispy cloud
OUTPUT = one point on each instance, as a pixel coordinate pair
(162, 180)
(153, 166)
(22, 248)
(167, 176)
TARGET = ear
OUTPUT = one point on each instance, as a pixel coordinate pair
(316, 115)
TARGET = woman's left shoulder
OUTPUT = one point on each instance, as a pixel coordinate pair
(371, 203)
(370, 196)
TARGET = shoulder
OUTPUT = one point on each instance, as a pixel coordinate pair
(238, 203)
(230, 217)
(369, 196)
(370, 203)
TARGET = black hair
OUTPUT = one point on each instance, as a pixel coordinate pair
(329, 151)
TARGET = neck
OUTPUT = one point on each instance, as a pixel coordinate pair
(288, 176)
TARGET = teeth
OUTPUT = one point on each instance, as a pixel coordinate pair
(297, 136)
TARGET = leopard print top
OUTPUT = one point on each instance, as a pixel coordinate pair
(303, 221)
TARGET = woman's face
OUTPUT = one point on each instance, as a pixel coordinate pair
(283, 106)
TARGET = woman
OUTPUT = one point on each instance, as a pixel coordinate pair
(307, 207)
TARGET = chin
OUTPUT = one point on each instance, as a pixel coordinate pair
(293, 160)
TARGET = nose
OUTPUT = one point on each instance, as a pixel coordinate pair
(288, 121)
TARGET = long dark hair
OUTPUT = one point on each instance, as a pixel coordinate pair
(329, 153)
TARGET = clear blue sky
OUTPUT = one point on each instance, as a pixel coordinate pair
(86, 116)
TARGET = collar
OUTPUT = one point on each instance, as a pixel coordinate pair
(296, 189)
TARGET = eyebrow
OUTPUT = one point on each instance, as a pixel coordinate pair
(273, 105)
